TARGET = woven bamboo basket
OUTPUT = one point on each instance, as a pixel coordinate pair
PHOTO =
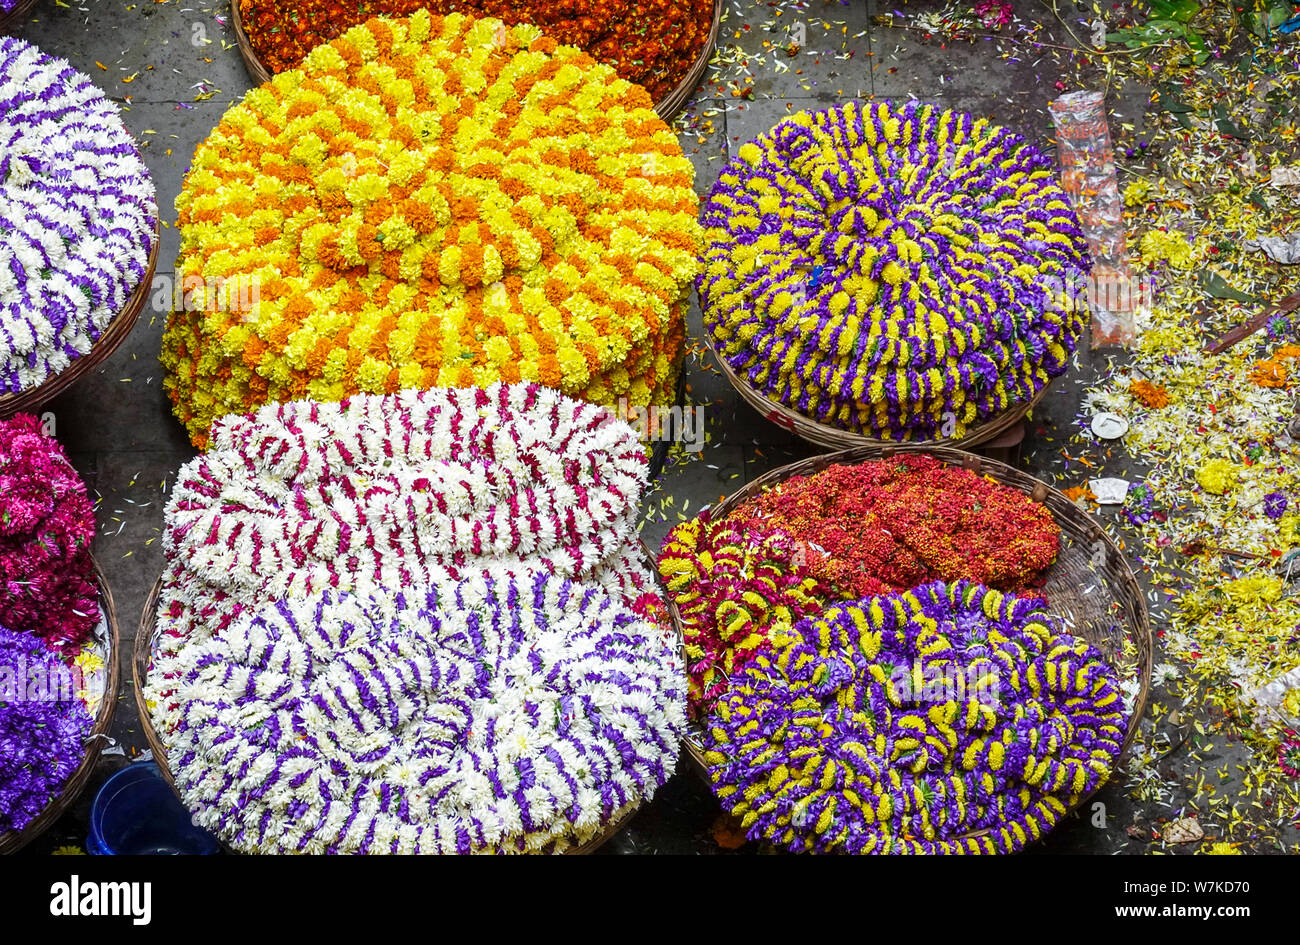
(672, 103)
(666, 108)
(142, 660)
(108, 646)
(256, 70)
(10, 22)
(110, 340)
(822, 434)
(1103, 605)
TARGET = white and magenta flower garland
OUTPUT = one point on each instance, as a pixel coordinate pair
(500, 714)
(78, 215)
(305, 511)
(399, 490)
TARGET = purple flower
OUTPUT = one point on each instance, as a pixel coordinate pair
(901, 273)
(78, 215)
(42, 727)
(910, 722)
(1275, 504)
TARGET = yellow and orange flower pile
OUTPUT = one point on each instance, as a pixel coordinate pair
(433, 202)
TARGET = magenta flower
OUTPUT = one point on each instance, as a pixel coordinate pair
(47, 524)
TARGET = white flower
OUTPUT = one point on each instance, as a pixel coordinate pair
(77, 220)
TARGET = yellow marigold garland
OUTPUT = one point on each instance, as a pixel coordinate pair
(433, 202)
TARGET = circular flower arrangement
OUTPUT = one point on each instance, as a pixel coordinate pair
(650, 42)
(946, 719)
(899, 273)
(42, 727)
(433, 202)
(397, 491)
(498, 714)
(78, 215)
(47, 526)
(849, 531)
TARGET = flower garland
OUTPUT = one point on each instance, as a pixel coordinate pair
(395, 491)
(846, 532)
(913, 722)
(433, 202)
(650, 42)
(900, 273)
(47, 527)
(42, 728)
(77, 215)
(498, 714)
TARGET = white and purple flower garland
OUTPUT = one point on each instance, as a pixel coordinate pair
(500, 714)
(78, 215)
(306, 517)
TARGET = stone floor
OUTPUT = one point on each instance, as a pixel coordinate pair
(175, 69)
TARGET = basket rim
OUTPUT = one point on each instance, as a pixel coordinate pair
(834, 438)
(12, 842)
(666, 108)
(8, 21)
(141, 658)
(1040, 491)
(110, 339)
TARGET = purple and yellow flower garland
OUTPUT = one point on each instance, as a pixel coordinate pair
(899, 273)
(948, 719)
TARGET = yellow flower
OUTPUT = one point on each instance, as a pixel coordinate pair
(400, 232)
(1218, 476)
(1172, 247)
(1136, 192)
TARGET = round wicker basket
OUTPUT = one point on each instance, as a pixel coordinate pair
(107, 641)
(109, 340)
(672, 103)
(834, 438)
(1104, 605)
(9, 22)
(142, 660)
(667, 108)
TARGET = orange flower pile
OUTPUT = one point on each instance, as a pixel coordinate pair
(650, 42)
(1148, 394)
(433, 202)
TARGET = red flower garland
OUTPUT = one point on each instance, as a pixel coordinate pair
(650, 42)
(845, 533)
(891, 525)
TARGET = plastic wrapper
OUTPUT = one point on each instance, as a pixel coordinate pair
(1088, 175)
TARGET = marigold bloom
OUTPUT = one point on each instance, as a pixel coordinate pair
(455, 203)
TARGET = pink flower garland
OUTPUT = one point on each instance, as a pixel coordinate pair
(47, 526)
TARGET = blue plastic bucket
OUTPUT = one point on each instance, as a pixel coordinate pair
(135, 813)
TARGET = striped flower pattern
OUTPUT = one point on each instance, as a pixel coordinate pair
(78, 215)
(951, 718)
(353, 657)
(499, 714)
(400, 490)
(903, 273)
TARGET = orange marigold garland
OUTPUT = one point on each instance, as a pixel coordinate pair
(650, 42)
(433, 202)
